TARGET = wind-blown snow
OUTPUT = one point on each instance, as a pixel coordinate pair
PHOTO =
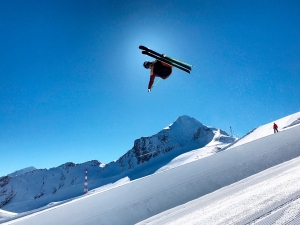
(255, 182)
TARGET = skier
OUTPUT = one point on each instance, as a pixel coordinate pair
(157, 69)
(275, 128)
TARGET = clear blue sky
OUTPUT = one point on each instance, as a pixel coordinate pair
(73, 87)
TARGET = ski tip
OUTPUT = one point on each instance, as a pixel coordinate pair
(142, 47)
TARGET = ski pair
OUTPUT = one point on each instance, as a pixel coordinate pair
(173, 62)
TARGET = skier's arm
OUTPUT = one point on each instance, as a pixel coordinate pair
(151, 81)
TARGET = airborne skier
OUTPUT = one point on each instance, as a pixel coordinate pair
(157, 69)
(162, 66)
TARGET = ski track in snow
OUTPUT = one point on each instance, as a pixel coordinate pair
(290, 213)
(235, 208)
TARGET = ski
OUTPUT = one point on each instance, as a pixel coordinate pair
(185, 65)
(162, 59)
(182, 64)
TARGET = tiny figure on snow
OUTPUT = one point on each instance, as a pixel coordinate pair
(275, 128)
(157, 69)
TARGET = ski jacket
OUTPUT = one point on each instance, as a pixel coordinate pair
(159, 69)
(275, 126)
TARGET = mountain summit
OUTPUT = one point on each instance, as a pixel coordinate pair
(148, 155)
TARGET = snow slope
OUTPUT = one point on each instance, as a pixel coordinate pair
(267, 129)
(269, 197)
(5, 215)
(204, 180)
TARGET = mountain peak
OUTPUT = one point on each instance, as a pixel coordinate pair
(148, 155)
(22, 171)
(185, 122)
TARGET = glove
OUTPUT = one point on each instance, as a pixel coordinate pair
(149, 90)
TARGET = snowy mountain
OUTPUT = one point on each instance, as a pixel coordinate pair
(32, 188)
(256, 182)
(22, 171)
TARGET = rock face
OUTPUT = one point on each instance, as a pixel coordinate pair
(36, 188)
(184, 132)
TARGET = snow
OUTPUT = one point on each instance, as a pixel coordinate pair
(22, 171)
(267, 129)
(38, 188)
(254, 181)
(244, 201)
(4, 215)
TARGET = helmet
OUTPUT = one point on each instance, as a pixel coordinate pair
(147, 64)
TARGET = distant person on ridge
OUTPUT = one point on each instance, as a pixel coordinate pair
(275, 127)
(157, 69)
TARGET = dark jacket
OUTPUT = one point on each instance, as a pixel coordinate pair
(159, 69)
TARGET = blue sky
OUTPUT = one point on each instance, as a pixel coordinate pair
(73, 87)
